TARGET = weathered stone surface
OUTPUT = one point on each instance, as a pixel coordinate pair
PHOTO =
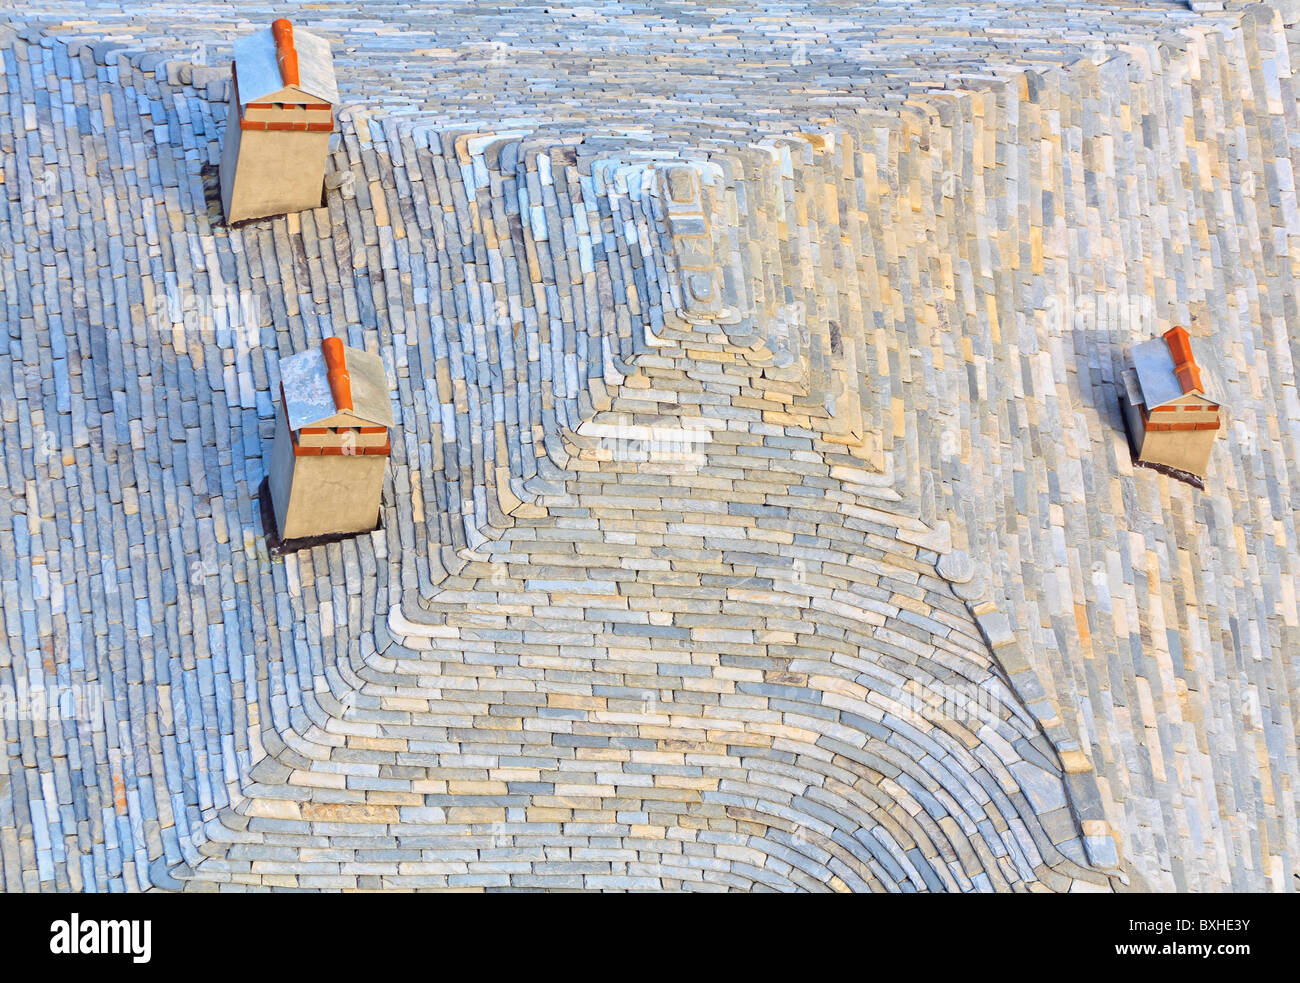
(956, 566)
(589, 648)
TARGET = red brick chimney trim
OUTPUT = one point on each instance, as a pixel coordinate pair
(286, 126)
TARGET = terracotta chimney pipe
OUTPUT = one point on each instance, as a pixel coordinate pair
(1185, 367)
(336, 370)
(285, 53)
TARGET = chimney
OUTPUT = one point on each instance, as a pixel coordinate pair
(277, 138)
(331, 443)
(1172, 416)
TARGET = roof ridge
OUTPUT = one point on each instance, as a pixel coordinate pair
(336, 370)
(285, 52)
(1185, 367)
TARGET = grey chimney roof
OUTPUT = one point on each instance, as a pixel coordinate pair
(1154, 366)
(309, 401)
(258, 71)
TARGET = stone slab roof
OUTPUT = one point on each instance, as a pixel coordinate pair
(856, 591)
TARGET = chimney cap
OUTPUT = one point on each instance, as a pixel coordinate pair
(335, 386)
(283, 63)
(1167, 369)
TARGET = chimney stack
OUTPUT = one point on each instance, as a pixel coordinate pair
(281, 116)
(331, 442)
(1172, 416)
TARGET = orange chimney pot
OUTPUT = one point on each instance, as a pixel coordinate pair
(336, 370)
(1185, 367)
(285, 53)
